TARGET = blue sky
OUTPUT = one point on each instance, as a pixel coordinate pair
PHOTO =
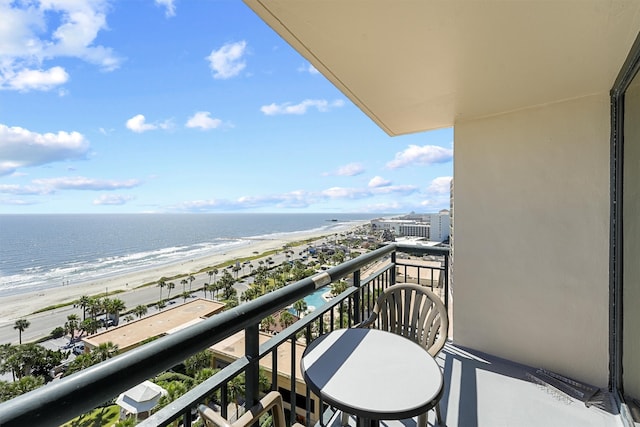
(189, 106)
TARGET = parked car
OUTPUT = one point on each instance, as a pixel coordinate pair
(78, 349)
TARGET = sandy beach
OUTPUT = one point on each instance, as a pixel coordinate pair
(21, 305)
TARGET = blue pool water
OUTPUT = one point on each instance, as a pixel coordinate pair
(315, 299)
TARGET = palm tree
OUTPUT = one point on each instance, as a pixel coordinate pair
(21, 325)
(191, 279)
(286, 319)
(185, 295)
(300, 306)
(90, 326)
(104, 351)
(115, 307)
(93, 307)
(183, 282)
(170, 286)
(267, 323)
(72, 325)
(140, 310)
(236, 390)
(161, 283)
(84, 303)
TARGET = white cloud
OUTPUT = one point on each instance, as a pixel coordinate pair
(83, 183)
(138, 124)
(295, 199)
(350, 169)
(425, 155)
(228, 61)
(20, 147)
(170, 8)
(308, 68)
(378, 181)
(440, 185)
(112, 199)
(301, 108)
(24, 190)
(202, 120)
(35, 32)
(25, 80)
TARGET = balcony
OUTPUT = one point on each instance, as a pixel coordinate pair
(480, 389)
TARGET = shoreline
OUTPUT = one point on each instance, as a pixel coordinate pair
(25, 304)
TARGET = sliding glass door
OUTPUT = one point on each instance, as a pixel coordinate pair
(625, 232)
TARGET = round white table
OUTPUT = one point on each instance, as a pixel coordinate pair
(373, 374)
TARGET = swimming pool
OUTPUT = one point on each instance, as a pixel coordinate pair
(315, 299)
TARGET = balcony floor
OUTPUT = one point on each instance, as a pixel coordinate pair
(481, 390)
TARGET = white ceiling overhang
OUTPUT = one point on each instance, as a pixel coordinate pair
(414, 65)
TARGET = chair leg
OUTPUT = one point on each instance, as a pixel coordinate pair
(344, 419)
(422, 420)
(439, 416)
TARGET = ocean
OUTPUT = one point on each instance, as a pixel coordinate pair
(48, 251)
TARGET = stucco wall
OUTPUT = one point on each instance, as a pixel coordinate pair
(532, 236)
(631, 243)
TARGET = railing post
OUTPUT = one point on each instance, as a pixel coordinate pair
(392, 277)
(252, 381)
(356, 298)
(446, 281)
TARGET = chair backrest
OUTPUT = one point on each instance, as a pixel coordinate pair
(415, 312)
(272, 401)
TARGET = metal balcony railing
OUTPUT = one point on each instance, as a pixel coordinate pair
(60, 401)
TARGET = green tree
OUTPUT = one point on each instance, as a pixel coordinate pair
(300, 306)
(90, 326)
(267, 323)
(161, 284)
(82, 361)
(191, 279)
(72, 325)
(25, 384)
(184, 282)
(236, 390)
(116, 306)
(198, 362)
(170, 286)
(174, 389)
(84, 303)
(185, 295)
(104, 351)
(94, 307)
(286, 318)
(21, 325)
(140, 310)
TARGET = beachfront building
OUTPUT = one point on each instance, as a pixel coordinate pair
(439, 225)
(231, 349)
(165, 322)
(402, 227)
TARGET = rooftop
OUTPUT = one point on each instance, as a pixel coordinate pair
(134, 333)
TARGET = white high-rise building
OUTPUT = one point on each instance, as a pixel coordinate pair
(439, 225)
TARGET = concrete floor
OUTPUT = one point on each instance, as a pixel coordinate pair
(481, 390)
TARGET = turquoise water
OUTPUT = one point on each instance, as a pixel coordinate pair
(315, 299)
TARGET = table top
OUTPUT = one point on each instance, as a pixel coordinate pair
(372, 373)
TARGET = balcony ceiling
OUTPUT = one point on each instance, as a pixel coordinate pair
(415, 65)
